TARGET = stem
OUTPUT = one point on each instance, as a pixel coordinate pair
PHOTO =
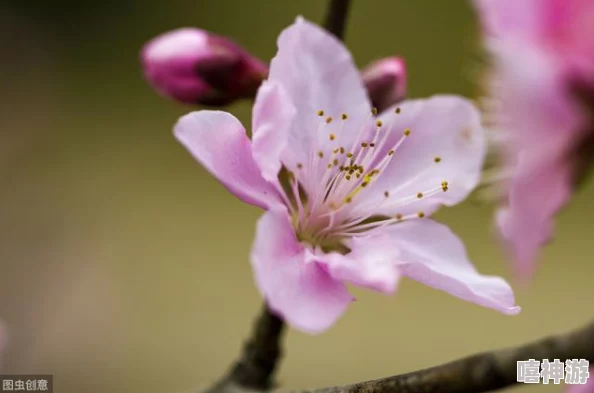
(336, 17)
(261, 353)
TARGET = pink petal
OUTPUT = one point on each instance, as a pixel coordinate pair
(218, 141)
(544, 124)
(289, 277)
(318, 73)
(370, 263)
(588, 387)
(273, 115)
(442, 128)
(430, 253)
(520, 20)
(526, 223)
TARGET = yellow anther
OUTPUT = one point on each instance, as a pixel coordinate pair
(335, 151)
(360, 169)
(342, 150)
(348, 177)
(364, 184)
(407, 132)
(350, 155)
(397, 110)
(329, 166)
(348, 199)
(364, 144)
(421, 214)
(321, 154)
(332, 137)
(335, 162)
(399, 217)
(378, 123)
(329, 119)
(374, 111)
(445, 186)
(344, 116)
(391, 152)
(437, 159)
(420, 195)
(320, 113)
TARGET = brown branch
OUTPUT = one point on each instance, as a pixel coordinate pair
(483, 372)
(336, 17)
(255, 368)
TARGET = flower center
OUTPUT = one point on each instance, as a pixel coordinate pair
(328, 196)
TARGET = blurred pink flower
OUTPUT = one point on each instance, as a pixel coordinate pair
(197, 67)
(345, 191)
(542, 50)
(385, 81)
(586, 388)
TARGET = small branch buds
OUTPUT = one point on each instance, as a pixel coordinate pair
(197, 67)
(385, 81)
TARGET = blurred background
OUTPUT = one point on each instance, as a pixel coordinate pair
(124, 265)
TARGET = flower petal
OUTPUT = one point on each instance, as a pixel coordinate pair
(545, 126)
(370, 263)
(536, 195)
(273, 115)
(218, 141)
(292, 281)
(430, 253)
(318, 73)
(512, 18)
(446, 143)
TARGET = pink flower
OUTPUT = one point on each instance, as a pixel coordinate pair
(588, 387)
(541, 50)
(345, 191)
(197, 67)
(385, 81)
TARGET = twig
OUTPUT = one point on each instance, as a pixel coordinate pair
(336, 17)
(261, 353)
(483, 372)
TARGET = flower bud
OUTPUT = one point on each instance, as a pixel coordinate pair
(194, 66)
(385, 80)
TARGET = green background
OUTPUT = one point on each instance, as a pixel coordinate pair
(124, 265)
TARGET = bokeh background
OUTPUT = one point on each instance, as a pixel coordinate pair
(124, 265)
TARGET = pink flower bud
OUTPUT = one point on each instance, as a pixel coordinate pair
(385, 81)
(197, 67)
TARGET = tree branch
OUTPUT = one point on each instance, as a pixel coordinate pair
(336, 17)
(255, 368)
(483, 372)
